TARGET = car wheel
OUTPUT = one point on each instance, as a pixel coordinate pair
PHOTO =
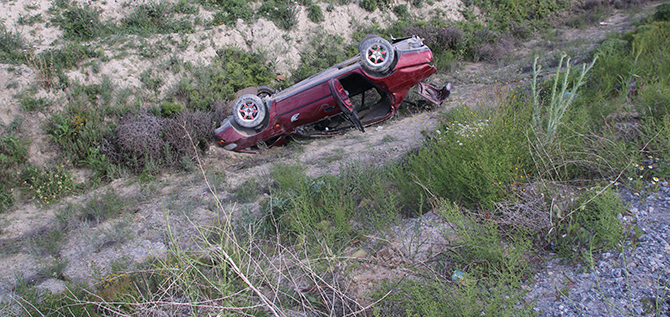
(377, 55)
(249, 111)
(367, 37)
(264, 91)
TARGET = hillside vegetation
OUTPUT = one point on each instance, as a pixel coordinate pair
(538, 167)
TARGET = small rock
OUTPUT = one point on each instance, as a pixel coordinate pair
(360, 254)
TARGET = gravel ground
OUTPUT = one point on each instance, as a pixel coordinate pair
(631, 281)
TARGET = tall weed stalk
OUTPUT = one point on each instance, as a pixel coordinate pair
(560, 100)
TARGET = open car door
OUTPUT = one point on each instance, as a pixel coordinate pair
(342, 99)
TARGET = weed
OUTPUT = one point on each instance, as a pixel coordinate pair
(248, 191)
(490, 284)
(560, 100)
(154, 17)
(102, 207)
(231, 71)
(283, 13)
(47, 185)
(77, 129)
(315, 14)
(46, 242)
(80, 21)
(662, 12)
(230, 11)
(6, 198)
(592, 225)
(151, 83)
(12, 46)
(30, 104)
(31, 20)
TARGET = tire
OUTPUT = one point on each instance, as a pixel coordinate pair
(367, 37)
(377, 55)
(265, 91)
(249, 111)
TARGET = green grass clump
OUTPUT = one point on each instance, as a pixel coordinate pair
(591, 225)
(79, 128)
(505, 14)
(230, 11)
(155, 17)
(80, 22)
(6, 198)
(315, 14)
(12, 45)
(31, 104)
(310, 208)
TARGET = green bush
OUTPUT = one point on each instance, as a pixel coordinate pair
(231, 71)
(47, 185)
(401, 11)
(169, 109)
(662, 12)
(505, 14)
(80, 22)
(315, 14)
(304, 207)
(591, 224)
(11, 46)
(155, 17)
(78, 128)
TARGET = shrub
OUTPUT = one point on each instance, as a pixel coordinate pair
(169, 109)
(590, 224)
(139, 140)
(231, 71)
(80, 22)
(230, 11)
(78, 128)
(401, 11)
(283, 13)
(315, 14)
(662, 12)
(47, 185)
(187, 132)
(12, 45)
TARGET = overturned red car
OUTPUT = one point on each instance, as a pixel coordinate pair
(363, 90)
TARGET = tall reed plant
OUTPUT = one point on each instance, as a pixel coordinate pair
(561, 98)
